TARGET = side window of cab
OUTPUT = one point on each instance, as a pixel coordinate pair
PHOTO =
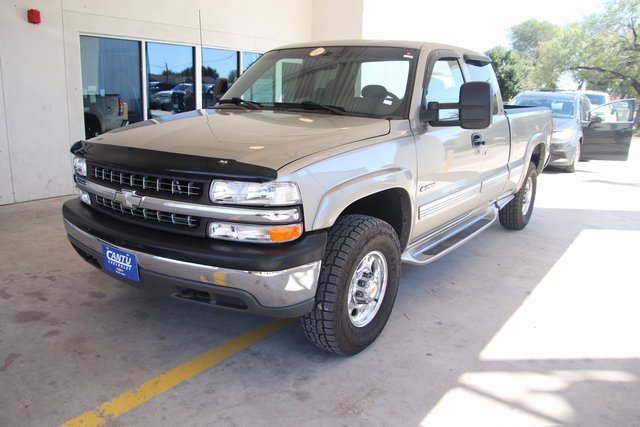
(444, 86)
(480, 70)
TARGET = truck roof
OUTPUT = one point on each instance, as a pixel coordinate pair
(389, 43)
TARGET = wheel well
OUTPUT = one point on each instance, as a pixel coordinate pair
(91, 120)
(392, 206)
(537, 157)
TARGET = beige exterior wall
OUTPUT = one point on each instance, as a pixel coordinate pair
(336, 19)
(41, 110)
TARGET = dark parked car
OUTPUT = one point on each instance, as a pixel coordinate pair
(155, 87)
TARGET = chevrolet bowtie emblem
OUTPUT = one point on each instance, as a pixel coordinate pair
(128, 199)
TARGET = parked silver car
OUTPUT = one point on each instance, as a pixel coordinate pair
(570, 112)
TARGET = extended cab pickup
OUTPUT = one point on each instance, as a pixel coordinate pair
(321, 170)
(103, 113)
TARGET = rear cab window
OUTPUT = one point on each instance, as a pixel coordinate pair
(480, 70)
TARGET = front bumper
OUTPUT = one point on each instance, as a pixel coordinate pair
(272, 280)
(562, 153)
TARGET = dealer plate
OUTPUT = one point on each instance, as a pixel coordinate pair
(120, 262)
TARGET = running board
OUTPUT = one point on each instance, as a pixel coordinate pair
(443, 241)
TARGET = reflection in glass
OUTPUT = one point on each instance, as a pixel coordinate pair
(348, 80)
(111, 83)
(170, 73)
(217, 63)
(249, 58)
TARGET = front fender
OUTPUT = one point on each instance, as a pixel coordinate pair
(338, 198)
(329, 185)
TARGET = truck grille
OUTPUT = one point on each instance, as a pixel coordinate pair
(180, 187)
(151, 215)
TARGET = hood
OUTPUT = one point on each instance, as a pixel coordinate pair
(265, 138)
(563, 124)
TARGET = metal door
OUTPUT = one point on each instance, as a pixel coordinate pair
(608, 135)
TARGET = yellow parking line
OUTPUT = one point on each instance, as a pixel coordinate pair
(158, 385)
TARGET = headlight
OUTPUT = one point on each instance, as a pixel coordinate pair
(252, 193)
(254, 233)
(79, 166)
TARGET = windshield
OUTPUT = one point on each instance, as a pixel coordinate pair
(560, 108)
(596, 99)
(362, 81)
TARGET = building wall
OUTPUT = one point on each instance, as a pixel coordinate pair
(336, 19)
(35, 103)
(41, 109)
(6, 181)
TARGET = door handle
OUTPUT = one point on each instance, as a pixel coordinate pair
(477, 140)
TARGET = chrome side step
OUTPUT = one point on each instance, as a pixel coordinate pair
(449, 237)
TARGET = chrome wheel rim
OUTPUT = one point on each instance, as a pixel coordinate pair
(526, 197)
(367, 289)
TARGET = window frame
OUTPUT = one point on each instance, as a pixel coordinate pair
(197, 48)
(435, 56)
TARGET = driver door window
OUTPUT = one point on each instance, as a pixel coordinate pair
(444, 86)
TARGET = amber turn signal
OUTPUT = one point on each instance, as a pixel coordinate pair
(285, 234)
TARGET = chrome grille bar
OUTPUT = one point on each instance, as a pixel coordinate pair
(149, 214)
(147, 182)
(280, 215)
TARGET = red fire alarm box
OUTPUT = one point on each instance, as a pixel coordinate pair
(33, 16)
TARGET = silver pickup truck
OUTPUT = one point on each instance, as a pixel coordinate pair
(322, 169)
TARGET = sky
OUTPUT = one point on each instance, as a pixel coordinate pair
(477, 25)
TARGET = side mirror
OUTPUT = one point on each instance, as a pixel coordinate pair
(475, 108)
(595, 119)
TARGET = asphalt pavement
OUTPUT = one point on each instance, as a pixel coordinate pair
(531, 328)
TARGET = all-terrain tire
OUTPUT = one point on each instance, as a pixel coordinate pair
(516, 214)
(359, 249)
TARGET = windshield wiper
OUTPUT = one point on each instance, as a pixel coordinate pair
(312, 105)
(241, 102)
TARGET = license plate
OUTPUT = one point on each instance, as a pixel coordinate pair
(120, 262)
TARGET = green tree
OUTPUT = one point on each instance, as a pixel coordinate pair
(509, 70)
(604, 50)
(187, 72)
(536, 43)
(527, 36)
(232, 76)
(210, 72)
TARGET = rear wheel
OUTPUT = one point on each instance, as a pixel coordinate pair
(357, 285)
(516, 214)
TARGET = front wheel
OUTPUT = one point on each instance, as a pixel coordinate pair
(516, 214)
(576, 159)
(357, 285)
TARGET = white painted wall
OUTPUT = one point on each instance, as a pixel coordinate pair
(33, 83)
(41, 109)
(336, 19)
(6, 181)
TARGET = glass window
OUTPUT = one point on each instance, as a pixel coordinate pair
(596, 99)
(170, 73)
(483, 72)
(444, 86)
(111, 83)
(561, 108)
(357, 80)
(217, 63)
(619, 111)
(249, 58)
(392, 75)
